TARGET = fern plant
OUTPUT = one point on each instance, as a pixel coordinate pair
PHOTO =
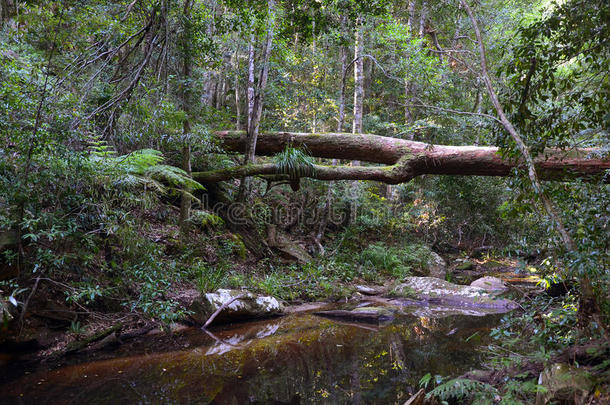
(463, 388)
(139, 168)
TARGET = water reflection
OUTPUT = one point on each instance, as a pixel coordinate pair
(297, 359)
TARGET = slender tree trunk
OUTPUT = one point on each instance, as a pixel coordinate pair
(358, 79)
(410, 14)
(422, 18)
(408, 84)
(256, 97)
(250, 92)
(329, 192)
(341, 102)
(236, 85)
(185, 200)
(587, 302)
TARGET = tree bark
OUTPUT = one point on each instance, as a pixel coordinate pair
(358, 79)
(256, 97)
(407, 159)
(185, 200)
(237, 99)
(408, 84)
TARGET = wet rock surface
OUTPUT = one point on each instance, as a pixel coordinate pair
(490, 284)
(430, 290)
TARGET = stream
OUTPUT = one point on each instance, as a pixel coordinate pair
(295, 359)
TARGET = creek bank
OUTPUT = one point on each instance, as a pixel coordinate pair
(575, 376)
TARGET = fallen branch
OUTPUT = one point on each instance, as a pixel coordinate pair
(220, 309)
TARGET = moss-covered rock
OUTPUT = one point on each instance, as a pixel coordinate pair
(564, 384)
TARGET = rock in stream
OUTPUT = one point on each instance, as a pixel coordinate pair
(250, 306)
(430, 290)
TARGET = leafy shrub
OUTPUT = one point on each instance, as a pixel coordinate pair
(398, 262)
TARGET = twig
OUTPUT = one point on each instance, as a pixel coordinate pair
(219, 310)
(449, 110)
(27, 301)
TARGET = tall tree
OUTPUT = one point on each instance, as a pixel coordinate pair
(256, 94)
(187, 38)
(358, 77)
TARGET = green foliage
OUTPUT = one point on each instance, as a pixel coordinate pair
(557, 74)
(398, 262)
(461, 389)
(209, 278)
(295, 162)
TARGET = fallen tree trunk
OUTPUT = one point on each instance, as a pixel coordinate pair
(406, 159)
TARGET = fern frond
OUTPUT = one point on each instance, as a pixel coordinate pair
(141, 160)
(142, 168)
(460, 388)
(172, 175)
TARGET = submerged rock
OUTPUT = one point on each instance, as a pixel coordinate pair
(490, 284)
(249, 306)
(564, 384)
(430, 290)
(362, 314)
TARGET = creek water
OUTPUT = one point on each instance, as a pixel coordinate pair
(295, 359)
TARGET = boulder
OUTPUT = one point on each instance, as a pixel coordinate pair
(492, 285)
(564, 384)
(430, 290)
(437, 266)
(370, 290)
(249, 306)
(294, 252)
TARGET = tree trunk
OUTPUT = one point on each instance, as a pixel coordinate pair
(329, 192)
(256, 98)
(407, 159)
(344, 52)
(358, 79)
(422, 18)
(408, 84)
(185, 200)
(237, 100)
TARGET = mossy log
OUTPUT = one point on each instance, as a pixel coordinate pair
(405, 159)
